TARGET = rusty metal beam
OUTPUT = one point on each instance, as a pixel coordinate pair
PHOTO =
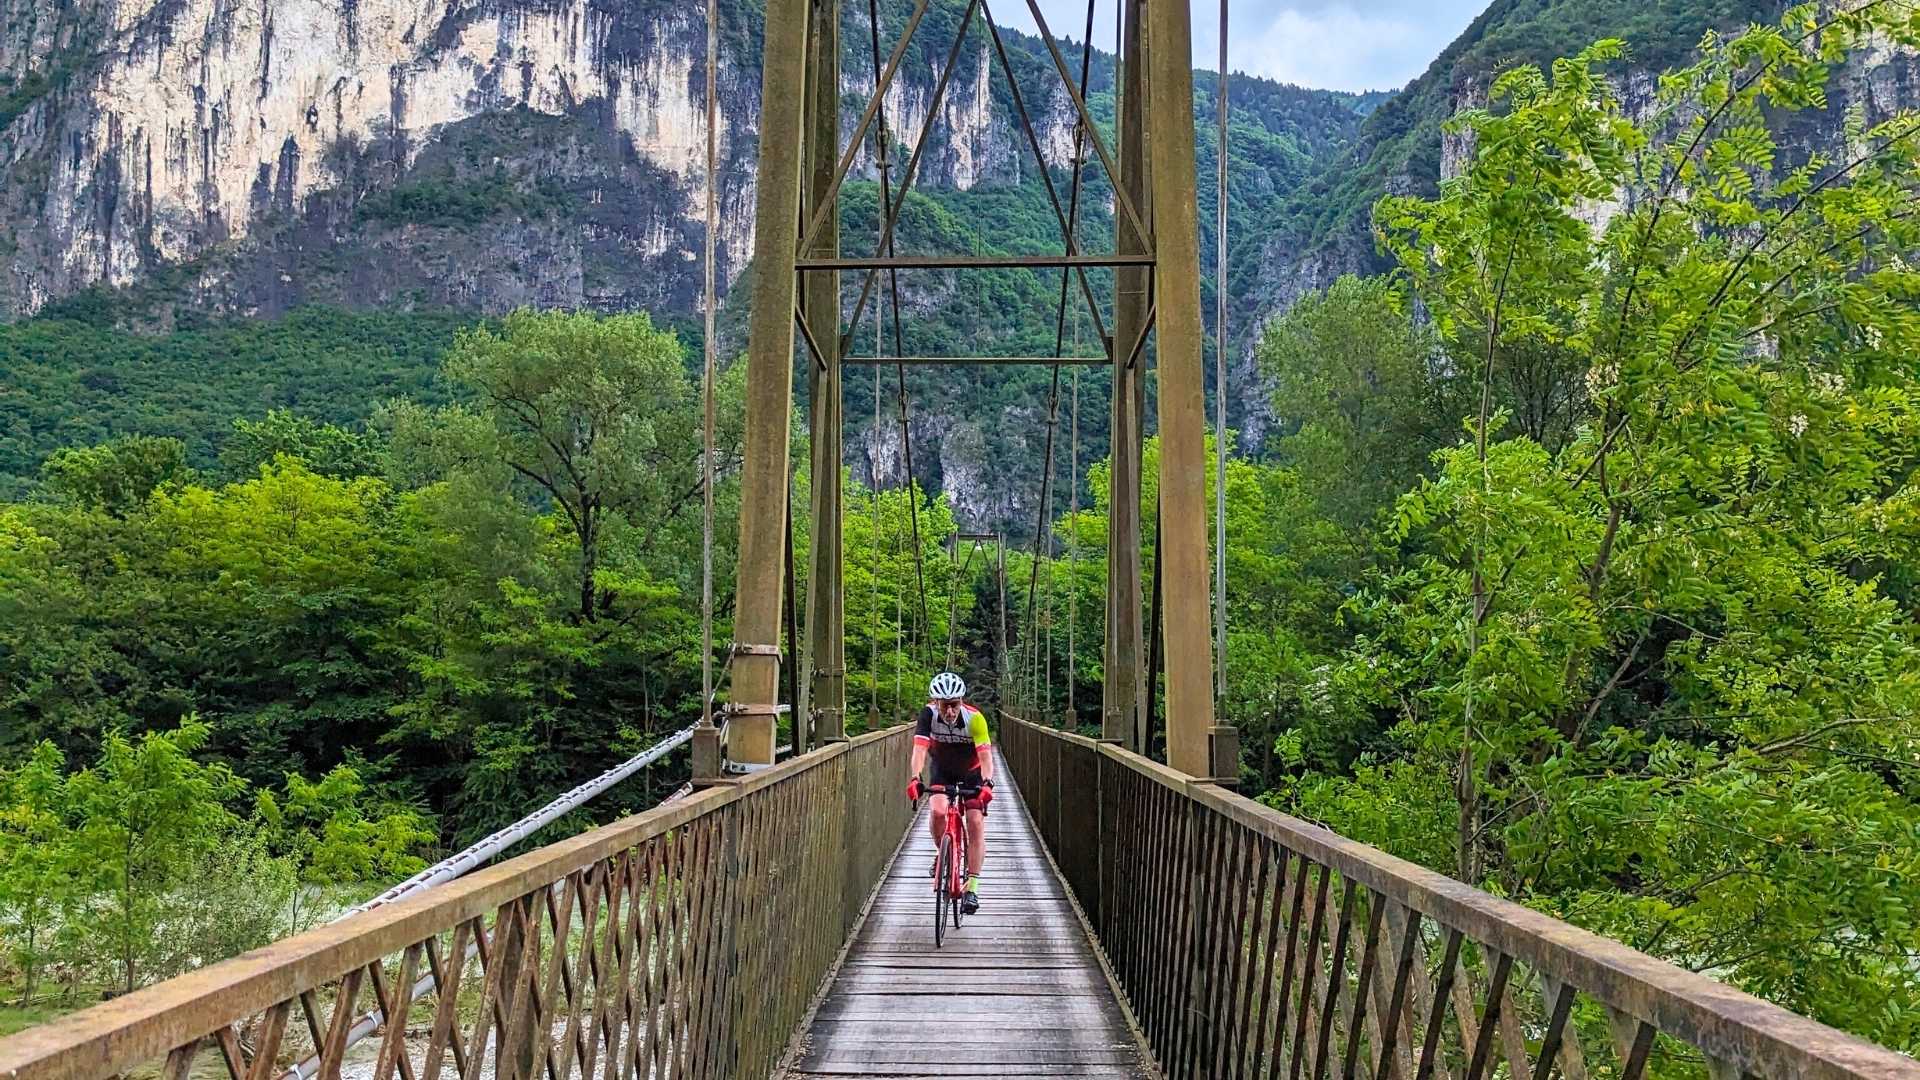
(1181, 339)
(1130, 208)
(1121, 691)
(763, 483)
(875, 112)
(1069, 218)
(970, 262)
(824, 666)
(1083, 361)
(907, 175)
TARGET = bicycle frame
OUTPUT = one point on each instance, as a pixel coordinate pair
(958, 803)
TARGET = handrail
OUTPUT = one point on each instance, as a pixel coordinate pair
(1238, 882)
(632, 940)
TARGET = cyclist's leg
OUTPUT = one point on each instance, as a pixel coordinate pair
(976, 854)
(976, 841)
(976, 834)
(936, 817)
(944, 778)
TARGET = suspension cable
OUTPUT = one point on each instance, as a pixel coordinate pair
(1052, 602)
(873, 462)
(792, 657)
(923, 624)
(893, 287)
(707, 373)
(1220, 388)
(953, 594)
(1073, 527)
(899, 644)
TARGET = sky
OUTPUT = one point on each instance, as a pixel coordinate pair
(1325, 44)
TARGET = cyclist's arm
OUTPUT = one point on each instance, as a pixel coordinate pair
(922, 739)
(982, 744)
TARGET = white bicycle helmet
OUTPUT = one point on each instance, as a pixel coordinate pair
(946, 686)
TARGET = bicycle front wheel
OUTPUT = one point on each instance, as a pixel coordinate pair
(942, 893)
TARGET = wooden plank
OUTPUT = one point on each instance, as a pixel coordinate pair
(1032, 1053)
(1017, 991)
(968, 1069)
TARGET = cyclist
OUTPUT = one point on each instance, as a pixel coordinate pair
(954, 735)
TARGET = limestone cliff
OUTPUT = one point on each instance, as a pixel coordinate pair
(264, 153)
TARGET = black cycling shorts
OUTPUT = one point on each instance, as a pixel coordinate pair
(951, 779)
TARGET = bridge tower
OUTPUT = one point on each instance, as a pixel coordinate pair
(795, 301)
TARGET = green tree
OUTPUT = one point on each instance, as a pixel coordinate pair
(148, 815)
(37, 888)
(596, 414)
(1362, 388)
(117, 476)
(557, 543)
(274, 598)
(60, 667)
(890, 653)
(330, 833)
(1289, 569)
(1669, 635)
(329, 450)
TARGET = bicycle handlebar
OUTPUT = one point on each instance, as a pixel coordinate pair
(965, 792)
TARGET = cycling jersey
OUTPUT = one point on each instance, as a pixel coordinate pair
(955, 747)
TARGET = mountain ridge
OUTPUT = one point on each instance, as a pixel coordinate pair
(1324, 228)
(186, 162)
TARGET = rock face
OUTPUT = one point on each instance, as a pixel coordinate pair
(282, 151)
(244, 157)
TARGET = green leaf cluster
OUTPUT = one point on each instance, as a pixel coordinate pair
(147, 864)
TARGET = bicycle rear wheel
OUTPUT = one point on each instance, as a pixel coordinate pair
(942, 899)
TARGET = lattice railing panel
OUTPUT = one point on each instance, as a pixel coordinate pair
(1252, 944)
(683, 942)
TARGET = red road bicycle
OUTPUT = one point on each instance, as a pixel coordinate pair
(949, 868)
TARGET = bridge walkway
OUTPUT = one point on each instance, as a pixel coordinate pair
(1015, 992)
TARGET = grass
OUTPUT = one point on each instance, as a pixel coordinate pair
(14, 1018)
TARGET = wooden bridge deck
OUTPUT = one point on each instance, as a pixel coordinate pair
(1015, 992)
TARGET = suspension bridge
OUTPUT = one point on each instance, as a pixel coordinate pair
(774, 920)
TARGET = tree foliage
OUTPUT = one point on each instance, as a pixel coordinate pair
(150, 862)
(1682, 631)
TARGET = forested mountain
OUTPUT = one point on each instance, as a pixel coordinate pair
(183, 165)
(175, 164)
(1325, 226)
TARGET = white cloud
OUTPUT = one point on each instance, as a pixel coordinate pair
(1339, 47)
(1067, 19)
(1327, 44)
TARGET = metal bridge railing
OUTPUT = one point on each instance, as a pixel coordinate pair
(684, 941)
(1253, 944)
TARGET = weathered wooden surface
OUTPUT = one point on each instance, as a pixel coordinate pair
(1015, 992)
